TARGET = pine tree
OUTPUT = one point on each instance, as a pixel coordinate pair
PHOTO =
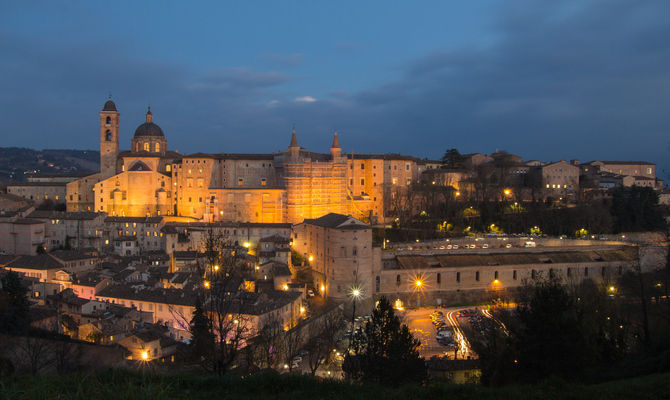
(202, 339)
(385, 351)
(13, 317)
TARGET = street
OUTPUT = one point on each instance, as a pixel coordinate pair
(420, 324)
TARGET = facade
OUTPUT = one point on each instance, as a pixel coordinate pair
(339, 250)
(283, 187)
(71, 229)
(434, 278)
(39, 191)
(21, 236)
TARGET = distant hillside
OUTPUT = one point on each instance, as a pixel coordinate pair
(16, 163)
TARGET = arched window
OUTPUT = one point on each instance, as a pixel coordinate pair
(108, 120)
(108, 135)
(146, 146)
(168, 168)
(137, 148)
(158, 147)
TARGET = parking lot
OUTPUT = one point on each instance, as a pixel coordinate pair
(421, 325)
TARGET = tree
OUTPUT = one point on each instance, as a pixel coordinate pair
(14, 316)
(293, 340)
(384, 351)
(323, 334)
(202, 340)
(452, 159)
(271, 343)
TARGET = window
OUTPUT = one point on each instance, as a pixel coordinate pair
(495, 275)
(439, 278)
(477, 276)
(532, 274)
(108, 135)
(569, 272)
(397, 280)
(240, 181)
(168, 168)
(263, 181)
(586, 271)
(146, 146)
(362, 181)
(362, 166)
(158, 147)
(377, 284)
(458, 277)
(108, 121)
(514, 274)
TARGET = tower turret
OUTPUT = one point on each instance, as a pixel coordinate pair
(293, 148)
(335, 149)
(109, 139)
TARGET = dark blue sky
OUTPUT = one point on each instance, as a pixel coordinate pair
(580, 79)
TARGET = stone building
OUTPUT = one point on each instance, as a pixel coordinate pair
(284, 187)
(339, 250)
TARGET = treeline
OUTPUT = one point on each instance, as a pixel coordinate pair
(580, 333)
(634, 209)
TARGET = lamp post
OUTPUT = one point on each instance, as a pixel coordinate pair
(355, 294)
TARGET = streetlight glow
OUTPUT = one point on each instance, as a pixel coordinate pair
(206, 284)
(216, 268)
(145, 355)
(356, 292)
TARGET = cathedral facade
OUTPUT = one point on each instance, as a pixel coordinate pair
(288, 186)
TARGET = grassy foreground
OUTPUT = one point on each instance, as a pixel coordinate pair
(123, 384)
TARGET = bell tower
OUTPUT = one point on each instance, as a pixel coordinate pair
(109, 139)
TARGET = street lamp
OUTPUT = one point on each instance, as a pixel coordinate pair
(355, 293)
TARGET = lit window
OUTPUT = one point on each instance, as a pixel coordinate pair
(158, 147)
(146, 146)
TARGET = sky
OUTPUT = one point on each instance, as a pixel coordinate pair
(576, 79)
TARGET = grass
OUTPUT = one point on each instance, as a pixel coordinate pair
(126, 384)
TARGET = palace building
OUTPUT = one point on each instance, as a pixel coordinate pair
(284, 187)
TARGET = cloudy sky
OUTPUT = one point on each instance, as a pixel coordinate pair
(580, 79)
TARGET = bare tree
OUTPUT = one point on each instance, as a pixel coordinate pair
(35, 353)
(323, 338)
(293, 341)
(271, 343)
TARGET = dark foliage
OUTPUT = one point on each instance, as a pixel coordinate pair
(384, 351)
(13, 304)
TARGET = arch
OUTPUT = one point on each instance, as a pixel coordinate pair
(137, 147)
(158, 147)
(108, 135)
(147, 147)
(108, 120)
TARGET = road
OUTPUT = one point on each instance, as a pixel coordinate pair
(419, 322)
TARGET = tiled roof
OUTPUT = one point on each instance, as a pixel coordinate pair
(338, 221)
(38, 262)
(50, 214)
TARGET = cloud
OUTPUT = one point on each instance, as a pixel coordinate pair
(305, 99)
(283, 60)
(576, 79)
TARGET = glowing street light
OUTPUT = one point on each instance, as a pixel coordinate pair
(311, 258)
(507, 192)
(246, 245)
(216, 268)
(206, 284)
(145, 355)
(285, 286)
(356, 293)
(418, 283)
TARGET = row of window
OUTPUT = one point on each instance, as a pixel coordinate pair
(533, 274)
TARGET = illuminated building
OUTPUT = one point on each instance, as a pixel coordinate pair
(288, 186)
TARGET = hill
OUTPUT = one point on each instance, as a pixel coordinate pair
(16, 162)
(124, 384)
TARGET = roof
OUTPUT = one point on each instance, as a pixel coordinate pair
(181, 297)
(626, 254)
(73, 255)
(109, 106)
(233, 156)
(339, 221)
(27, 221)
(38, 262)
(19, 184)
(50, 214)
(148, 129)
(142, 220)
(625, 162)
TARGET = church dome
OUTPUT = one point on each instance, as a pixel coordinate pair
(109, 106)
(149, 128)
